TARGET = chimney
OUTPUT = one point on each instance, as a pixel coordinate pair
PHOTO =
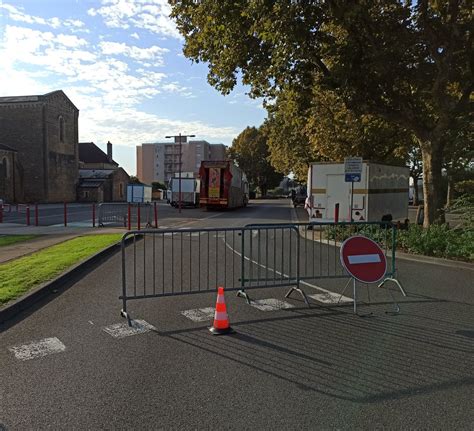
(109, 151)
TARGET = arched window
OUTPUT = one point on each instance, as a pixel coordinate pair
(4, 168)
(61, 129)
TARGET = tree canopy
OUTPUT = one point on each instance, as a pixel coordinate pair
(250, 151)
(347, 75)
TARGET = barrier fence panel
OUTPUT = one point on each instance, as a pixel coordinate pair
(118, 214)
(168, 262)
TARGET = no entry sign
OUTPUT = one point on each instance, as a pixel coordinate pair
(363, 259)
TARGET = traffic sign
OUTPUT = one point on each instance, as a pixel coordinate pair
(363, 259)
(352, 178)
(353, 165)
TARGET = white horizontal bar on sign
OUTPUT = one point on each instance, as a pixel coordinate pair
(363, 258)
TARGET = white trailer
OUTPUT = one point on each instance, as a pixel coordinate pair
(189, 192)
(382, 190)
(138, 193)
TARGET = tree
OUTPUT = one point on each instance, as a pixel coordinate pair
(250, 152)
(156, 185)
(407, 64)
(134, 180)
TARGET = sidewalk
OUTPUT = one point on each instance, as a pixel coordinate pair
(49, 235)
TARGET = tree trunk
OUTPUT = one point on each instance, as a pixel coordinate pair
(432, 183)
(449, 194)
(416, 194)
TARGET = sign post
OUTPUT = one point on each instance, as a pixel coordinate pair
(364, 260)
(352, 174)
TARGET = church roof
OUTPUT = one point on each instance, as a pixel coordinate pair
(7, 148)
(91, 153)
(36, 98)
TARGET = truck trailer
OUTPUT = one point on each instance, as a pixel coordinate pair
(189, 192)
(223, 185)
(382, 192)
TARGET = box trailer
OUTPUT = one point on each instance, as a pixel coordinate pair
(382, 191)
(223, 185)
(138, 193)
(189, 191)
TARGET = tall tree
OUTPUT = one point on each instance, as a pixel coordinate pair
(250, 151)
(407, 64)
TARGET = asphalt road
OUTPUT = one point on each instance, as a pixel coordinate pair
(308, 368)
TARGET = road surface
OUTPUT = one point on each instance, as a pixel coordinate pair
(70, 362)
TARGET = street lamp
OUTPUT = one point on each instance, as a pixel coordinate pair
(180, 136)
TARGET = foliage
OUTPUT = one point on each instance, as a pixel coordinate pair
(250, 152)
(465, 187)
(389, 66)
(134, 180)
(156, 185)
(20, 275)
(464, 206)
(13, 239)
(439, 241)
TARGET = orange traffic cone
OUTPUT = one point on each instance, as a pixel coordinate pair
(221, 320)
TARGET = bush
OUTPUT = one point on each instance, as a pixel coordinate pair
(439, 241)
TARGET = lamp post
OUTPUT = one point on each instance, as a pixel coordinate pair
(180, 136)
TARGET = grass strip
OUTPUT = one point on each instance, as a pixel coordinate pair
(13, 239)
(21, 275)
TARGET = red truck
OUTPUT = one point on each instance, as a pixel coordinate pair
(223, 185)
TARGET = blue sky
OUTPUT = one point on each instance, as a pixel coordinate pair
(121, 64)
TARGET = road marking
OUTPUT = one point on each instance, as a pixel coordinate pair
(270, 304)
(199, 314)
(330, 298)
(283, 275)
(363, 258)
(122, 330)
(38, 349)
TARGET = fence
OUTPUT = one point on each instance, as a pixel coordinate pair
(127, 215)
(169, 262)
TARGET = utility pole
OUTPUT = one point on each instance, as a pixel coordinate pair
(180, 136)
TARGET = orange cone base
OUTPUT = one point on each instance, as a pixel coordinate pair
(216, 331)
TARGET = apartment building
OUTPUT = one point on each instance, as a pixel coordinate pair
(159, 161)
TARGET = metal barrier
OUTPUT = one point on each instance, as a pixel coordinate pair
(169, 262)
(125, 214)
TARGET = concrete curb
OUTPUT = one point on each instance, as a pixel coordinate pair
(18, 305)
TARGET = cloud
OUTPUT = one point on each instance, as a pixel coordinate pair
(17, 14)
(130, 127)
(151, 15)
(154, 53)
(135, 36)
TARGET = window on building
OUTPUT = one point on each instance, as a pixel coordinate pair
(121, 190)
(61, 129)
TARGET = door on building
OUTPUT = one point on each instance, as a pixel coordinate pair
(337, 191)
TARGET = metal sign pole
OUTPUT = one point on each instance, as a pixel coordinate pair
(179, 169)
(352, 198)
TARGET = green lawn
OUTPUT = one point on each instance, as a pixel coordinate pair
(12, 239)
(20, 275)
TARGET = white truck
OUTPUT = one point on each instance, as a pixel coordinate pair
(381, 192)
(189, 192)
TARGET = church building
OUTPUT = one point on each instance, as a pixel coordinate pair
(39, 137)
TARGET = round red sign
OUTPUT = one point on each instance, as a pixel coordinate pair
(363, 259)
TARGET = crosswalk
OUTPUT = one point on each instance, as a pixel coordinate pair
(49, 346)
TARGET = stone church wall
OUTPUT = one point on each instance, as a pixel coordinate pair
(21, 127)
